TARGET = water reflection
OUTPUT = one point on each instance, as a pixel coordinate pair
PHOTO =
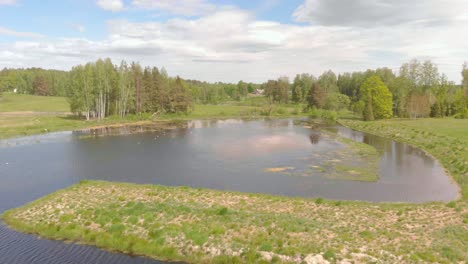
(314, 138)
(260, 145)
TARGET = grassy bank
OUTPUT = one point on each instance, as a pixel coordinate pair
(446, 139)
(23, 115)
(10, 102)
(199, 225)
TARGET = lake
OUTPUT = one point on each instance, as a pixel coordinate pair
(219, 154)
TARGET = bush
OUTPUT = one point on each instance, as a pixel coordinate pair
(329, 116)
(337, 102)
(313, 112)
(281, 111)
(462, 115)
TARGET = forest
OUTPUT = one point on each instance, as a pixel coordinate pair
(100, 89)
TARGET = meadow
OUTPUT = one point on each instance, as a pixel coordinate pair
(24, 115)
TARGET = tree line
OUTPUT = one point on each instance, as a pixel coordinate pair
(34, 81)
(417, 90)
(101, 88)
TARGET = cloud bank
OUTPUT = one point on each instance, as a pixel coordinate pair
(230, 44)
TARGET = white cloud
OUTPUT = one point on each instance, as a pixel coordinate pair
(178, 7)
(10, 32)
(7, 2)
(209, 48)
(369, 13)
(112, 5)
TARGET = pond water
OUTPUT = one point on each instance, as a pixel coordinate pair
(226, 155)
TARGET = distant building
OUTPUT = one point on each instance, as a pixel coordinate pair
(259, 91)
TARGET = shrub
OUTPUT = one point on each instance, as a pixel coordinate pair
(329, 116)
(337, 102)
(462, 115)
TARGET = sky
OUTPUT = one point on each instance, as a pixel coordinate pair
(250, 40)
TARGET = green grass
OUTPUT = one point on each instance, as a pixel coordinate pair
(446, 139)
(208, 226)
(23, 123)
(360, 162)
(236, 110)
(10, 102)
(14, 126)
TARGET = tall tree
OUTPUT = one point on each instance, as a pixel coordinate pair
(301, 86)
(316, 97)
(465, 79)
(377, 98)
(40, 85)
(277, 90)
(242, 89)
(140, 96)
(329, 82)
(181, 100)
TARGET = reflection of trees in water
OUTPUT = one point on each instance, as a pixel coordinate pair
(278, 123)
(314, 139)
(201, 123)
(420, 154)
(177, 132)
(380, 143)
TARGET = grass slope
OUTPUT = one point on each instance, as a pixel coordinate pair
(10, 102)
(207, 226)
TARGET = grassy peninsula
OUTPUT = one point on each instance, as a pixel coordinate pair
(208, 226)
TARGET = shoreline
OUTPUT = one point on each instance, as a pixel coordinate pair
(450, 175)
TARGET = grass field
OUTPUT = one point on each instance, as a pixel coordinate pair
(10, 102)
(23, 115)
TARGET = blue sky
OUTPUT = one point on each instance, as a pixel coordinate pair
(232, 40)
(54, 18)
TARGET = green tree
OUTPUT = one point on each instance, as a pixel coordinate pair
(250, 88)
(328, 82)
(181, 100)
(377, 99)
(140, 96)
(242, 89)
(277, 90)
(301, 86)
(337, 102)
(400, 88)
(465, 82)
(316, 97)
(40, 85)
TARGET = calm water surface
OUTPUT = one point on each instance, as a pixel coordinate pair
(225, 155)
